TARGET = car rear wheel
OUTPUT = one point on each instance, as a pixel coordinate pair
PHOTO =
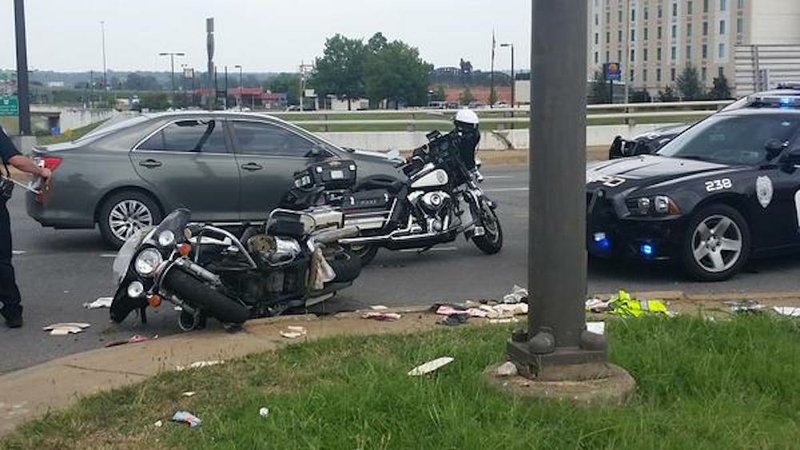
(717, 243)
(125, 213)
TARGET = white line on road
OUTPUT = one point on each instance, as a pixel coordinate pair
(434, 249)
(108, 255)
(17, 252)
(497, 177)
(510, 189)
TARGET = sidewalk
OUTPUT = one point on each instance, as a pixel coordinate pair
(31, 392)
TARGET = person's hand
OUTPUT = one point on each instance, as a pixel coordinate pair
(45, 173)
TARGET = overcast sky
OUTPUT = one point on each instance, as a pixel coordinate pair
(263, 35)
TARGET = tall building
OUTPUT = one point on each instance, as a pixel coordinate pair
(654, 40)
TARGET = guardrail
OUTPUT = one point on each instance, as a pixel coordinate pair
(411, 119)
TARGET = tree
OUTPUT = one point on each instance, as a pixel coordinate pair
(154, 102)
(394, 71)
(600, 92)
(467, 97)
(136, 82)
(640, 96)
(440, 94)
(288, 83)
(721, 90)
(668, 95)
(689, 85)
(340, 71)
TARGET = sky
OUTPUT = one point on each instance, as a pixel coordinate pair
(262, 35)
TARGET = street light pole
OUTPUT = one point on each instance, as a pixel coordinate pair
(172, 56)
(23, 97)
(556, 335)
(239, 98)
(513, 81)
(103, 37)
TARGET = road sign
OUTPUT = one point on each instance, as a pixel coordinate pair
(188, 73)
(613, 71)
(9, 106)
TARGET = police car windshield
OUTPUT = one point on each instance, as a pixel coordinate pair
(734, 139)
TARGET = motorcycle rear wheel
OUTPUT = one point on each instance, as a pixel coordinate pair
(366, 252)
(212, 302)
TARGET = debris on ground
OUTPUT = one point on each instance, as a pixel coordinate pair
(504, 320)
(135, 339)
(294, 332)
(597, 305)
(518, 294)
(790, 311)
(507, 369)
(745, 307)
(596, 327)
(449, 309)
(188, 394)
(158, 424)
(200, 364)
(382, 316)
(623, 304)
(102, 302)
(505, 311)
(63, 329)
(379, 307)
(263, 412)
(430, 366)
(187, 418)
(454, 320)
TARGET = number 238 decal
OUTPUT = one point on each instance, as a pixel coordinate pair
(718, 185)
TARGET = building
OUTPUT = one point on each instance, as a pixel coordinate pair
(654, 40)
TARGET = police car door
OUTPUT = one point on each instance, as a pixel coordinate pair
(777, 191)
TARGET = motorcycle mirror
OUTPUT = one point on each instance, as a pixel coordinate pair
(393, 153)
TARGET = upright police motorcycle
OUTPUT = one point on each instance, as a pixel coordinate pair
(440, 199)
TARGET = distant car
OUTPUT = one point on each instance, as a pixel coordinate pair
(724, 190)
(226, 167)
(645, 144)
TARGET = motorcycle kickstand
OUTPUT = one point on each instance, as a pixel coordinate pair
(421, 251)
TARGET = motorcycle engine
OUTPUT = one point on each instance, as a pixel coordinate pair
(433, 202)
(432, 209)
(273, 250)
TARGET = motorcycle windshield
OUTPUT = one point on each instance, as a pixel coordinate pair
(175, 222)
(125, 254)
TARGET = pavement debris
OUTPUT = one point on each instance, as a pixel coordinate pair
(294, 332)
(454, 320)
(518, 294)
(102, 302)
(187, 418)
(382, 316)
(430, 366)
(199, 365)
(263, 412)
(507, 369)
(188, 394)
(596, 327)
(790, 311)
(158, 424)
(745, 307)
(623, 304)
(135, 339)
(63, 329)
(379, 307)
(597, 305)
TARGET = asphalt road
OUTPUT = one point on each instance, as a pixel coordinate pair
(60, 270)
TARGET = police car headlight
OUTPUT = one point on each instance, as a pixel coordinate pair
(659, 205)
(147, 262)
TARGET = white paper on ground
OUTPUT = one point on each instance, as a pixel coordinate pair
(596, 327)
(791, 311)
(430, 366)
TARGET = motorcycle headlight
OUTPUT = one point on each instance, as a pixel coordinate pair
(147, 262)
(135, 289)
(166, 238)
(659, 205)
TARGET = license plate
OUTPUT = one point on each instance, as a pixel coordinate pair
(337, 175)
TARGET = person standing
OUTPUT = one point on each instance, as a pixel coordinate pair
(9, 292)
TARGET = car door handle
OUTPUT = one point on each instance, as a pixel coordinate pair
(252, 166)
(150, 163)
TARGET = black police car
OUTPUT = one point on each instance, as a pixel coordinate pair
(724, 190)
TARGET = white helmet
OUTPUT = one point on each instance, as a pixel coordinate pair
(467, 117)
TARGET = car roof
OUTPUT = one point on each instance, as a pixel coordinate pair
(786, 97)
(198, 113)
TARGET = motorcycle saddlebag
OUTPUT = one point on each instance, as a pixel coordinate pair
(373, 199)
(334, 174)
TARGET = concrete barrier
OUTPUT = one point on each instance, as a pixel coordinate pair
(598, 135)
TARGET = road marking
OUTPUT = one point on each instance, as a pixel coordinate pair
(497, 177)
(108, 255)
(17, 252)
(511, 189)
(434, 249)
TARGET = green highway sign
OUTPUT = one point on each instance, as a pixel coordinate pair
(9, 106)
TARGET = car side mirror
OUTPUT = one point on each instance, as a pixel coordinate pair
(316, 152)
(790, 158)
(774, 147)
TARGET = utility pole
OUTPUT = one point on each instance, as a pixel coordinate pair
(491, 73)
(172, 56)
(556, 335)
(103, 37)
(626, 68)
(23, 96)
(303, 68)
(212, 77)
(241, 86)
(226, 88)
(513, 81)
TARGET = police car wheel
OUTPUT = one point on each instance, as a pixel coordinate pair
(717, 243)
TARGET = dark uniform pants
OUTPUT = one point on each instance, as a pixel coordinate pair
(9, 293)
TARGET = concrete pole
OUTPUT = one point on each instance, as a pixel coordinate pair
(557, 205)
(626, 68)
(23, 96)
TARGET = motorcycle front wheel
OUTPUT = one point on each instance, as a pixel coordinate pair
(211, 301)
(492, 240)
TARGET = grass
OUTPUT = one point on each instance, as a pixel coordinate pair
(731, 385)
(69, 135)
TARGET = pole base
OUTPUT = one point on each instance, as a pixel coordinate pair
(593, 384)
(537, 365)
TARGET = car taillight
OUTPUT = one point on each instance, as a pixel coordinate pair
(51, 162)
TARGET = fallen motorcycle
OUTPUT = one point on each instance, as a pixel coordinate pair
(292, 261)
